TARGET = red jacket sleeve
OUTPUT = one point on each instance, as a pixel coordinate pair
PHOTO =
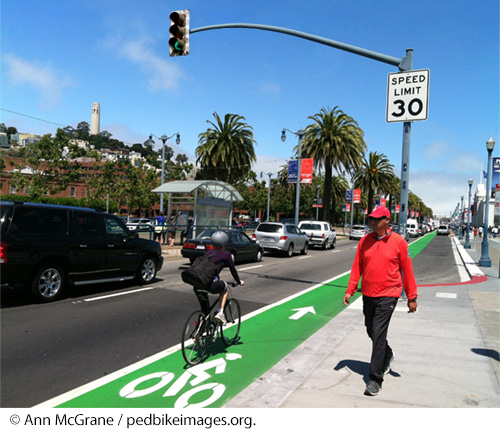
(356, 271)
(409, 283)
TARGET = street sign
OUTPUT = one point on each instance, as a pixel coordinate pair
(407, 96)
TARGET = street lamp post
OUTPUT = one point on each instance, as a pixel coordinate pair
(164, 139)
(300, 133)
(485, 260)
(460, 229)
(268, 194)
(317, 202)
(467, 234)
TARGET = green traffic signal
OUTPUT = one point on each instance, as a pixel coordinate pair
(179, 32)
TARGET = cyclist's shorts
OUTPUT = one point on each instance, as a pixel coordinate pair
(216, 287)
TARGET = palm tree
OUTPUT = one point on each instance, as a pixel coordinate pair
(375, 174)
(339, 186)
(226, 151)
(334, 140)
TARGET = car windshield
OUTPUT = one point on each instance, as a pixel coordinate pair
(358, 227)
(270, 228)
(443, 227)
(307, 226)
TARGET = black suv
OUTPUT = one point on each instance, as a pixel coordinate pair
(48, 248)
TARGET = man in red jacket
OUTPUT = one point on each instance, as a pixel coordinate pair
(384, 264)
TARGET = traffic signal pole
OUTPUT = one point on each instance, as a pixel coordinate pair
(404, 64)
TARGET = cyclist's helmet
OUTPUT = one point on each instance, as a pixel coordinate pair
(219, 238)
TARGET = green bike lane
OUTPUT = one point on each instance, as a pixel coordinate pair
(266, 336)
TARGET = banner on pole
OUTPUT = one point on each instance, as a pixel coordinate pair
(293, 169)
(306, 171)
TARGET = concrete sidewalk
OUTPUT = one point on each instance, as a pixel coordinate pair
(446, 354)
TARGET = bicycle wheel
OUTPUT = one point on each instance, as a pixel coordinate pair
(194, 342)
(230, 331)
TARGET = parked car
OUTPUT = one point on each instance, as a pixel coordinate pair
(358, 231)
(139, 224)
(320, 233)
(443, 230)
(281, 237)
(48, 249)
(241, 247)
(395, 228)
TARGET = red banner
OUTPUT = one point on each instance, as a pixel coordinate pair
(306, 171)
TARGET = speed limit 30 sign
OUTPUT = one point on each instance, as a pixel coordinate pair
(407, 96)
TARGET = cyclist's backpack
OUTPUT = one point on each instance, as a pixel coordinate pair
(201, 273)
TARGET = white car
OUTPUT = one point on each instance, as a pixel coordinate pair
(138, 224)
(443, 230)
(320, 233)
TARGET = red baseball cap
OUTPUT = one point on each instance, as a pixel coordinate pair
(380, 212)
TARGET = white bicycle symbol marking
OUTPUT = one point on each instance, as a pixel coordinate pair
(198, 373)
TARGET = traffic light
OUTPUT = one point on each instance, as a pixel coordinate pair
(179, 32)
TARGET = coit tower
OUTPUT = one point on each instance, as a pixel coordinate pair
(95, 119)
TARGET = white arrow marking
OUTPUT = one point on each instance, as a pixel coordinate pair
(301, 312)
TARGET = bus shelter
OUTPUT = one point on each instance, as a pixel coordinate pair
(210, 202)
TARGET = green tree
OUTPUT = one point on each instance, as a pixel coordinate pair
(375, 174)
(45, 167)
(339, 187)
(226, 150)
(83, 130)
(334, 141)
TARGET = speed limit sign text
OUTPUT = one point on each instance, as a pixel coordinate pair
(407, 96)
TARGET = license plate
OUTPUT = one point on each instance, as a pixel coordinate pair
(268, 239)
(200, 246)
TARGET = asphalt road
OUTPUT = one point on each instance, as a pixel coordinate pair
(47, 350)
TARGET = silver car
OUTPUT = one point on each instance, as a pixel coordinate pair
(281, 237)
(358, 231)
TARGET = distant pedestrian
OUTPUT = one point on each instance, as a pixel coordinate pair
(383, 262)
(171, 230)
(160, 228)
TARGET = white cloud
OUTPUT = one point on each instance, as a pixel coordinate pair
(268, 164)
(440, 191)
(161, 74)
(44, 78)
(270, 88)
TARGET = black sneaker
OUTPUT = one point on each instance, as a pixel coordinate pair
(372, 388)
(387, 367)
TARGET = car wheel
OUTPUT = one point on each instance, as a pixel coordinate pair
(289, 251)
(306, 248)
(48, 283)
(258, 256)
(146, 271)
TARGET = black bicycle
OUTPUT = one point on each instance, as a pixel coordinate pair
(201, 328)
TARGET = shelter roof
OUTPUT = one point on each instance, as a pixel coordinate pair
(213, 188)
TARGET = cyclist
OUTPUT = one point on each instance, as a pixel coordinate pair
(222, 258)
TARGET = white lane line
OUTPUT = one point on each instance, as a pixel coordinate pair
(251, 268)
(446, 295)
(118, 294)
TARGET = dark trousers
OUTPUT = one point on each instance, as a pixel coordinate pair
(378, 312)
(216, 287)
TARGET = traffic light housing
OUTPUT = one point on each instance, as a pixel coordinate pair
(179, 33)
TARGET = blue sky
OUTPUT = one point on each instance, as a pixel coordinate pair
(59, 56)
